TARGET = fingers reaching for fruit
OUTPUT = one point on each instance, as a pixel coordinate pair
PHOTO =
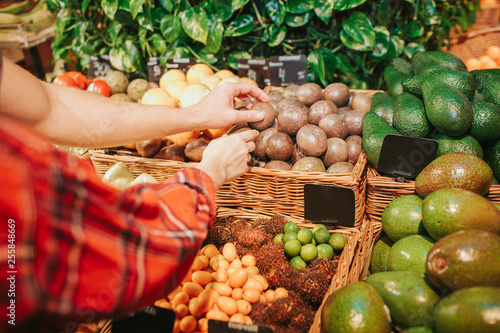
(227, 157)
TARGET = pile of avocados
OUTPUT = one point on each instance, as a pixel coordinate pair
(436, 267)
(435, 96)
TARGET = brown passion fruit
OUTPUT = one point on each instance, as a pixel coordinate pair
(291, 119)
(173, 152)
(309, 164)
(361, 102)
(343, 110)
(340, 167)
(290, 91)
(354, 122)
(261, 142)
(194, 149)
(279, 146)
(336, 151)
(334, 126)
(354, 147)
(309, 93)
(289, 102)
(311, 140)
(320, 109)
(269, 114)
(148, 148)
(297, 154)
(338, 93)
(278, 165)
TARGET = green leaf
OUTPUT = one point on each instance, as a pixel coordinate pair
(316, 63)
(215, 32)
(142, 38)
(343, 64)
(275, 35)
(298, 20)
(232, 59)
(357, 33)
(240, 26)
(85, 5)
(195, 24)
(157, 14)
(54, 6)
(125, 57)
(411, 48)
(382, 40)
(144, 19)
(109, 7)
(207, 57)
(114, 31)
(323, 9)
(170, 28)
(175, 53)
(125, 6)
(237, 4)
(300, 6)
(415, 29)
(330, 62)
(223, 9)
(167, 4)
(341, 5)
(159, 45)
(135, 7)
(276, 10)
(383, 14)
(396, 47)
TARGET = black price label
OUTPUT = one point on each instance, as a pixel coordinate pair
(182, 64)
(405, 156)
(155, 70)
(217, 326)
(287, 70)
(329, 204)
(255, 69)
(99, 65)
(150, 319)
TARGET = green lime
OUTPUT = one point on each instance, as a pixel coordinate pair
(337, 241)
(292, 248)
(309, 252)
(278, 238)
(290, 227)
(298, 263)
(289, 236)
(318, 226)
(305, 236)
(321, 235)
(215, 258)
(325, 251)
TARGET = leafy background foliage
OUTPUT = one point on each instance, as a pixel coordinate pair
(348, 41)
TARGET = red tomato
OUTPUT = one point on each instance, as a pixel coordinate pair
(80, 79)
(100, 87)
(64, 80)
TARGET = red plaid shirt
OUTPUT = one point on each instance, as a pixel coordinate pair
(84, 250)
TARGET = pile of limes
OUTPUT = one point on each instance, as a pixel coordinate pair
(303, 245)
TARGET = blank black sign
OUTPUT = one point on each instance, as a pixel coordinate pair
(329, 204)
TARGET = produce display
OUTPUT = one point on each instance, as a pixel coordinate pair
(435, 96)
(439, 256)
(243, 275)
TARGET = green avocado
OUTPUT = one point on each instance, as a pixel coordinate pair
(409, 116)
(403, 217)
(380, 253)
(464, 259)
(394, 80)
(447, 108)
(402, 66)
(355, 308)
(469, 310)
(492, 157)
(455, 170)
(409, 253)
(461, 80)
(410, 298)
(485, 121)
(464, 144)
(488, 85)
(431, 61)
(383, 105)
(374, 131)
(418, 330)
(449, 210)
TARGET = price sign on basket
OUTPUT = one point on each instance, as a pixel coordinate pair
(218, 326)
(99, 65)
(182, 64)
(287, 70)
(155, 70)
(329, 204)
(255, 69)
(150, 319)
(405, 156)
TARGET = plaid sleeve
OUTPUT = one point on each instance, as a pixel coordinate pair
(85, 250)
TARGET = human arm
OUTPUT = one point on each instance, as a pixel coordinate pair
(72, 117)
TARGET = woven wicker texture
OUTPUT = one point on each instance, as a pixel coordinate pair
(382, 190)
(476, 43)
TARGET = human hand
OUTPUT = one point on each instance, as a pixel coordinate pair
(217, 109)
(227, 157)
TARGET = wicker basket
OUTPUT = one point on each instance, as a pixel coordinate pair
(488, 16)
(475, 44)
(382, 190)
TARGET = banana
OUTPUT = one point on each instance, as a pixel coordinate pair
(15, 8)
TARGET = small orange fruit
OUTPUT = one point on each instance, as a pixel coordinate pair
(249, 80)
(198, 72)
(211, 81)
(224, 73)
(229, 79)
(175, 88)
(173, 75)
(493, 52)
(193, 94)
(473, 64)
(158, 96)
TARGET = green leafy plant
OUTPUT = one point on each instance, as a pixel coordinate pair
(348, 41)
